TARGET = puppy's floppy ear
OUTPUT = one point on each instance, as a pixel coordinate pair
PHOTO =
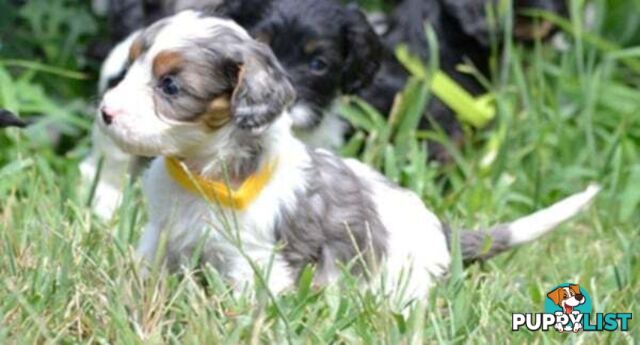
(364, 52)
(262, 91)
(555, 295)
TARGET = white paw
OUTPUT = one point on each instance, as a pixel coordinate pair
(577, 327)
(106, 201)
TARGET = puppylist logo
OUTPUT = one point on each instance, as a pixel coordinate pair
(567, 308)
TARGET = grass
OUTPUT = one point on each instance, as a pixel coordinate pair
(563, 119)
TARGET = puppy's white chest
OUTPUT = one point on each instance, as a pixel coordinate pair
(192, 225)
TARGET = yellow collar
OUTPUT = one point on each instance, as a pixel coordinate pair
(220, 192)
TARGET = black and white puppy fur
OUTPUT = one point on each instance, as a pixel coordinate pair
(464, 37)
(200, 89)
(326, 49)
(8, 119)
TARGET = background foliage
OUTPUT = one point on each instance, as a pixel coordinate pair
(565, 118)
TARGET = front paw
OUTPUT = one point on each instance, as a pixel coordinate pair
(559, 327)
(577, 327)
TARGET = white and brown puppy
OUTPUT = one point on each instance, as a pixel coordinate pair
(567, 298)
(232, 185)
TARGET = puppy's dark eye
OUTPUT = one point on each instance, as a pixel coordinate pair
(318, 65)
(169, 85)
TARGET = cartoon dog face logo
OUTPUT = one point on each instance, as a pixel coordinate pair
(567, 297)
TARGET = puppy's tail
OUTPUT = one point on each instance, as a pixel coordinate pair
(484, 244)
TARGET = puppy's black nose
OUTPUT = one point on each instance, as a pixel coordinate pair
(106, 117)
(579, 297)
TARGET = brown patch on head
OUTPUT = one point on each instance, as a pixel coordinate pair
(575, 289)
(312, 45)
(167, 62)
(205, 85)
(218, 112)
(144, 40)
(137, 47)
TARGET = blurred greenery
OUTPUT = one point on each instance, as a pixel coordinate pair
(44, 73)
(565, 117)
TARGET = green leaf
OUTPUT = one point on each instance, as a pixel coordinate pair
(305, 282)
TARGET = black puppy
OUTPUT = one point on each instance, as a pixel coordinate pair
(463, 35)
(7, 119)
(328, 50)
